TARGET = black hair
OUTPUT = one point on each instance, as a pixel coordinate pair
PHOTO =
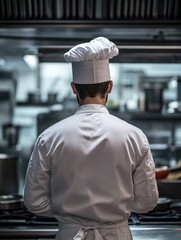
(92, 90)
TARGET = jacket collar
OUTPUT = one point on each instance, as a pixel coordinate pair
(92, 108)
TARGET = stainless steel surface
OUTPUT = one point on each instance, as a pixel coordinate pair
(11, 202)
(28, 232)
(166, 232)
(139, 29)
(151, 232)
(159, 225)
(90, 10)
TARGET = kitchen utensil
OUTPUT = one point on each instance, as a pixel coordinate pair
(11, 202)
(163, 204)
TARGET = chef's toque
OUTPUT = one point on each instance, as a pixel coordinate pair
(90, 61)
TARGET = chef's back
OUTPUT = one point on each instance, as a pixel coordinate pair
(92, 169)
(100, 167)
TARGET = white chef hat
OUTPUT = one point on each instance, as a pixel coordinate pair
(90, 61)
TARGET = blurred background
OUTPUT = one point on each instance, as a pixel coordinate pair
(35, 81)
(35, 93)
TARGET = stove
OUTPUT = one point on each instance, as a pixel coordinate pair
(157, 225)
(24, 218)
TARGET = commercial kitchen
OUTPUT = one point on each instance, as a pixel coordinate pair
(35, 93)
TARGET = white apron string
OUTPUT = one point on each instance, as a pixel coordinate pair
(83, 230)
(82, 234)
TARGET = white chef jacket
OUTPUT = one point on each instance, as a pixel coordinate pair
(90, 171)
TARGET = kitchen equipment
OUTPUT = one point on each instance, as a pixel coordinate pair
(34, 97)
(153, 96)
(178, 107)
(163, 204)
(170, 188)
(9, 174)
(179, 89)
(157, 224)
(162, 173)
(11, 202)
(6, 108)
(52, 97)
(11, 134)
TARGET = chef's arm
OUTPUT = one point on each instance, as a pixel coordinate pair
(37, 182)
(145, 186)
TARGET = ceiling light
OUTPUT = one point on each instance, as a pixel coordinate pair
(2, 61)
(31, 61)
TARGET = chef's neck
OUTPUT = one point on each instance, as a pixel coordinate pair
(93, 100)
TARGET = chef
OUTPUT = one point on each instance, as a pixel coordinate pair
(92, 169)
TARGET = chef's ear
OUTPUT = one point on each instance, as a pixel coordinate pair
(110, 85)
(73, 88)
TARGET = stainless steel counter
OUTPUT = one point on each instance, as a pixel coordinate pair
(141, 232)
(165, 232)
(28, 232)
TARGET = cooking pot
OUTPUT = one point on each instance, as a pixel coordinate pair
(9, 174)
(34, 97)
(11, 202)
(52, 97)
(163, 204)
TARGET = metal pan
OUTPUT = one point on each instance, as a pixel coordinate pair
(163, 204)
(11, 202)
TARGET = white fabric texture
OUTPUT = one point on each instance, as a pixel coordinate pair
(90, 169)
(101, 232)
(91, 72)
(97, 49)
(90, 61)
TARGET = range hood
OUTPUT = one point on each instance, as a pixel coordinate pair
(111, 12)
(144, 30)
(60, 22)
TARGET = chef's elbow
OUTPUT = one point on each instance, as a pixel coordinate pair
(144, 209)
(28, 204)
(145, 206)
(39, 208)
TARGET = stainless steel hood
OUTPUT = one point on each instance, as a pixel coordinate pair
(85, 12)
(68, 22)
(143, 29)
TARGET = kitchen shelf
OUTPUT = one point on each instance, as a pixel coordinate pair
(159, 146)
(36, 104)
(123, 115)
(175, 148)
(154, 116)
